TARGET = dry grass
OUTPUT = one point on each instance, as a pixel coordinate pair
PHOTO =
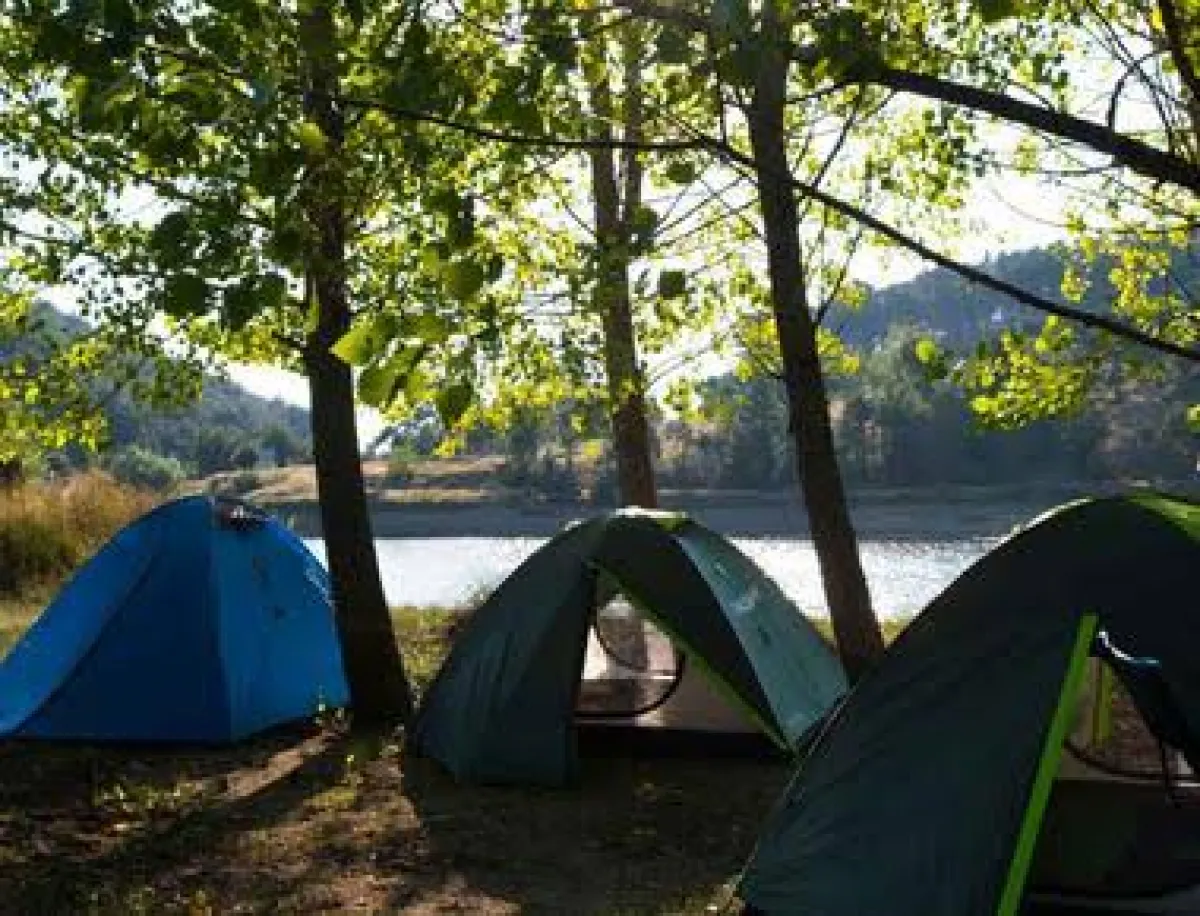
(446, 480)
(47, 529)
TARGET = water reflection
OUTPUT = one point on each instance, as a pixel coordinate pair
(451, 572)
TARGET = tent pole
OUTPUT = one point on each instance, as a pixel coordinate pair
(1043, 780)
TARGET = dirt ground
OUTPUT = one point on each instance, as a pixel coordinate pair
(326, 823)
(319, 821)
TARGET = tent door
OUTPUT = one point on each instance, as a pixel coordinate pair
(630, 666)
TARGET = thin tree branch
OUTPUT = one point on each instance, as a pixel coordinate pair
(973, 274)
(839, 279)
(1135, 155)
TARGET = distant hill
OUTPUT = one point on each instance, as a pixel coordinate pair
(227, 428)
(230, 428)
(962, 313)
(206, 437)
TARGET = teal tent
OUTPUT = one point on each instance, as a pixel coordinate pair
(502, 708)
(926, 791)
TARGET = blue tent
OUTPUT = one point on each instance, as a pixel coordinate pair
(204, 620)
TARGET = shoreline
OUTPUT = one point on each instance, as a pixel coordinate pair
(891, 515)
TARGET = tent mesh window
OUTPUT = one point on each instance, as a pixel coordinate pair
(1111, 734)
(630, 666)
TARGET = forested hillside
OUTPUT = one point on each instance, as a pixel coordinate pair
(962, 313)
(893, 425)
(227, 428)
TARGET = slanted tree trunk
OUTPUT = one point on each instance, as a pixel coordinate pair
(379, 690)
(613, 222)
(859, 638)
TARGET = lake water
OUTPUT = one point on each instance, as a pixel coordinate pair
(456, 571)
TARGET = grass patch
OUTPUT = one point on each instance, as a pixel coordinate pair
(324, 824)
(321, 821)
(423, 637)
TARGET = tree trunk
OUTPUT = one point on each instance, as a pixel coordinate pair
(379, 690)
(626, 384)
(613, 221)
(859, 639)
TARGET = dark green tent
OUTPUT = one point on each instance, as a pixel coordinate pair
(502, 707)
(924, 794)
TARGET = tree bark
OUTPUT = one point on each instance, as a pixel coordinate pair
(859, 638)
(613, 224)
(379, 690)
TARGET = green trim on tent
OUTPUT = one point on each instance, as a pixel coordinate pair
(924, 773)
(1185, 515)
(1043, 780)
(1102, 710)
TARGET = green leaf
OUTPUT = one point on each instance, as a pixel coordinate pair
(249, 297)
(185, 295)
(377, 383)
(927, 351)
(681, 171)
(673, 46)
(464, 279)
(311, 138)
(356, 346)
(453, 401)
(432, 257)
(558, 47)
(286, 244)
(170, 236)
(238, 305)
(429, 327)
(1193, 418)
(672, 284)
(995, 10)
(365, 340)
(933, 359)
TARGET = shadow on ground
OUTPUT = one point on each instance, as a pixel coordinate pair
(328, 822)
(635, 836)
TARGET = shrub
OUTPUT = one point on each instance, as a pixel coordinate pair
(141, 467)
(46, 529)
(400, 464)
(245, 457)
(240, 484)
